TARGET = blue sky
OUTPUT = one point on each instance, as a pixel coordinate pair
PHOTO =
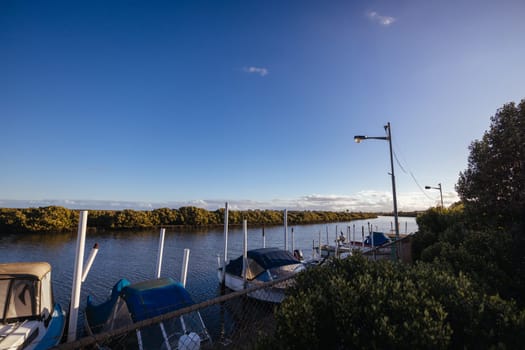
(145, 104)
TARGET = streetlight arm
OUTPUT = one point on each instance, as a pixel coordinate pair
(440, 192)
(359, 138)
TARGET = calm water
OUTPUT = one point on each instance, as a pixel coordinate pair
(133, 255)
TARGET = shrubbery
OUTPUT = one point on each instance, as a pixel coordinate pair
(58, 219)
(356, 303)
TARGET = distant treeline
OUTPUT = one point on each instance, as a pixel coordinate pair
(60, 219)
(412, 214)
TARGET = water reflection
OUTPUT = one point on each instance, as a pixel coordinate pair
(49, 239)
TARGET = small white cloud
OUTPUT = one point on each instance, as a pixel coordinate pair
(382, 20)
(256, 70)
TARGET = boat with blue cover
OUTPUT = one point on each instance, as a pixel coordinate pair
(260, 266)
(130, 303)
(376, 239)
(344, 248)
(29, 317)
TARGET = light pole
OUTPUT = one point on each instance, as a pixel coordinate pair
(358, 139)
(440, 192)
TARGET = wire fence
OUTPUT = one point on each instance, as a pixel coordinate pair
(235, 320)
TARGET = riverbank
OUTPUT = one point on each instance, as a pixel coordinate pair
(60, 219)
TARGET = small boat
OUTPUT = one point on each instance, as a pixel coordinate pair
(29, 317)
(373, 241)
(343, 249)
(377, 239)
(261, 265)
(130, 303)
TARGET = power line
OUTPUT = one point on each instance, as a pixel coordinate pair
(412, 176)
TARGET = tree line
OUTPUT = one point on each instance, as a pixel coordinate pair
(466, 288)
(60, 219)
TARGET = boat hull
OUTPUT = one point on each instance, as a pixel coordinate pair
(274, 294)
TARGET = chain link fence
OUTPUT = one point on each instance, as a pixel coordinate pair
(234, 320)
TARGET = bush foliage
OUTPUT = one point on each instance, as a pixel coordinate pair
(357, 303)
(58, 219)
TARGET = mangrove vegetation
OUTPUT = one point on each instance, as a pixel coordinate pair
(60, 219)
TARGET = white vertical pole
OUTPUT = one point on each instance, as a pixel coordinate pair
(184, 272)
(225, 240)
(245, 251)
(160, 252)
(285, 229)
(91, 259)
(373, 245)
(264, 238)
(183, 277)
(77, 275)
(319, 250)
(293, 245)
(139, 338)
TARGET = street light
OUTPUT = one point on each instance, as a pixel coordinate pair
(359, 139)
(440, 192)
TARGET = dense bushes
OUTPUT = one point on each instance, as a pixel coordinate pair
(57, 219)
(488, 256)
(356, 303)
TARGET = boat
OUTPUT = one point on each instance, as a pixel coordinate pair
(343, 249)
(130, 303)
(29, 317)
(377, 239)
(261, 265)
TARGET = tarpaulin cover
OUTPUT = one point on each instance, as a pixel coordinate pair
(99, 314)
(265, 258)
(143, 300)
(379, 239)
(155, 297)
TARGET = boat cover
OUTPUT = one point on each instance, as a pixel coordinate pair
(25, 291)
(155, 297)
(100, 314)
(142, 300)
(379, 239)
(260, 260)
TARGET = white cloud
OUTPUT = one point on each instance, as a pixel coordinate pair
(366, 201)
(256, 70)
(382, 20)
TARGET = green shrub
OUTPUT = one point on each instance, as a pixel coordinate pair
(355, 303)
